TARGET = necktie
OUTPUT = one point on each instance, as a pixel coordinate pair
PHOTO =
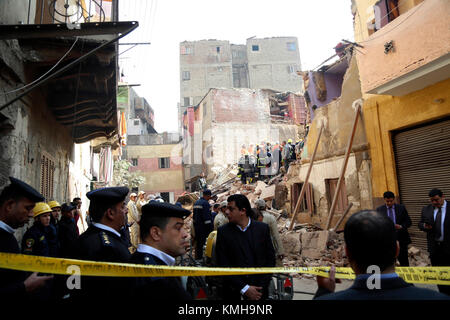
(437, 224)
(391, 214)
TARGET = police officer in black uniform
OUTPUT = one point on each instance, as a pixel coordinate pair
(17, 201)
(163, 239)
(102, 241)
(203, 222)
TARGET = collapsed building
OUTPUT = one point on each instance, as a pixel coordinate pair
(225, 120)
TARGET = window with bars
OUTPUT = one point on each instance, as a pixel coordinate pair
(47, 175)
(186, 75)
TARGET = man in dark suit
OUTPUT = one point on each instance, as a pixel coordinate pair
(435, 221)
(17, 201)
(399, 216)
(163, 239)
(102, 241)
(244, 242)
(371, 245)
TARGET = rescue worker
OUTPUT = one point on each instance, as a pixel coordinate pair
(102, 242)
(56, 213)
(163, 238)
(247, 170)
(17, 201)
(133, 220)
(263, 216)
(241, 174)
(221, 218)
(41, 239)
(67, 232)
(203, 223)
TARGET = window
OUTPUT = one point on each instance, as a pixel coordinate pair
(255, 47)
(186, 101)
(186, 50)
(291, 69)
(307, 204)
(218, 49)
(134, 162)
(291, 46)
(136, 122)
(342, 201)
(47, 174)
(164, 163)
(186, 75)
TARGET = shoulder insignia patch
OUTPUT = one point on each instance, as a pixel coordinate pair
(29, 243)
(105, 239)
(42, 238)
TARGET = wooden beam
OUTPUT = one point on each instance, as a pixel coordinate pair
(344, 166)
(305, 184)
(343, 216)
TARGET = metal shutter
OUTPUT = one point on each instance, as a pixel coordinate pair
(422, 156)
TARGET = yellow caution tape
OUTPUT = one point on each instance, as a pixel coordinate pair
(427, 275)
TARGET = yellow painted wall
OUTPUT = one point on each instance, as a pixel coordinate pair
(163, 181)
(384, 114)
(364, 13)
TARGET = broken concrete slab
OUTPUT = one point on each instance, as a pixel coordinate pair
(268, 193)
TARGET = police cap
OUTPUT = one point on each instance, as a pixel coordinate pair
(108, 195)
(207, 192)
(66, 207)
(26, 190)
(164, 209)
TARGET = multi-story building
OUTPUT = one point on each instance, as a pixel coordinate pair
(269, 63)
(58, 103)
(404, 65)
(158, 158)
(226, 119)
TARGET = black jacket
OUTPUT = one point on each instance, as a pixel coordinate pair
(391, 289)
(252, 248)
(11, 281)
(402, 218)
(96, 244)
(428, 217)
(67, 236)
(157, 288)
(41, 241)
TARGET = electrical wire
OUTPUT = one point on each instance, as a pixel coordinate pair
(45, 74)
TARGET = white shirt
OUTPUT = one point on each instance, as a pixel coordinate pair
(168, 260)
(103, 227)
(443, 211)
(5, 227)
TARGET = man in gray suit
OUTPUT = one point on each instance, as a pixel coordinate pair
(435, 221)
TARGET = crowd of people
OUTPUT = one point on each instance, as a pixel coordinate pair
(266, 160)
(246, 237)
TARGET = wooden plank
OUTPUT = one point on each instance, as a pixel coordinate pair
(344, 166)
(305, 184)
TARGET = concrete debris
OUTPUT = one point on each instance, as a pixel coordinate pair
(418, 257)
(307, 245)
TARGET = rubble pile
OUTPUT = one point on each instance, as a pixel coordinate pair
(418, 258)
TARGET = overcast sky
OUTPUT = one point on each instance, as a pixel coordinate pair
(318, 24)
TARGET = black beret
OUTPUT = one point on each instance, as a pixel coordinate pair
(108, 194)
(26, 190)
(164, 209)
(65, 207)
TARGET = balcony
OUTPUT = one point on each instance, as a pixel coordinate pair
(409, 53)
(74, 43)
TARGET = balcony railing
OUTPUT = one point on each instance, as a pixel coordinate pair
(71, 11)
